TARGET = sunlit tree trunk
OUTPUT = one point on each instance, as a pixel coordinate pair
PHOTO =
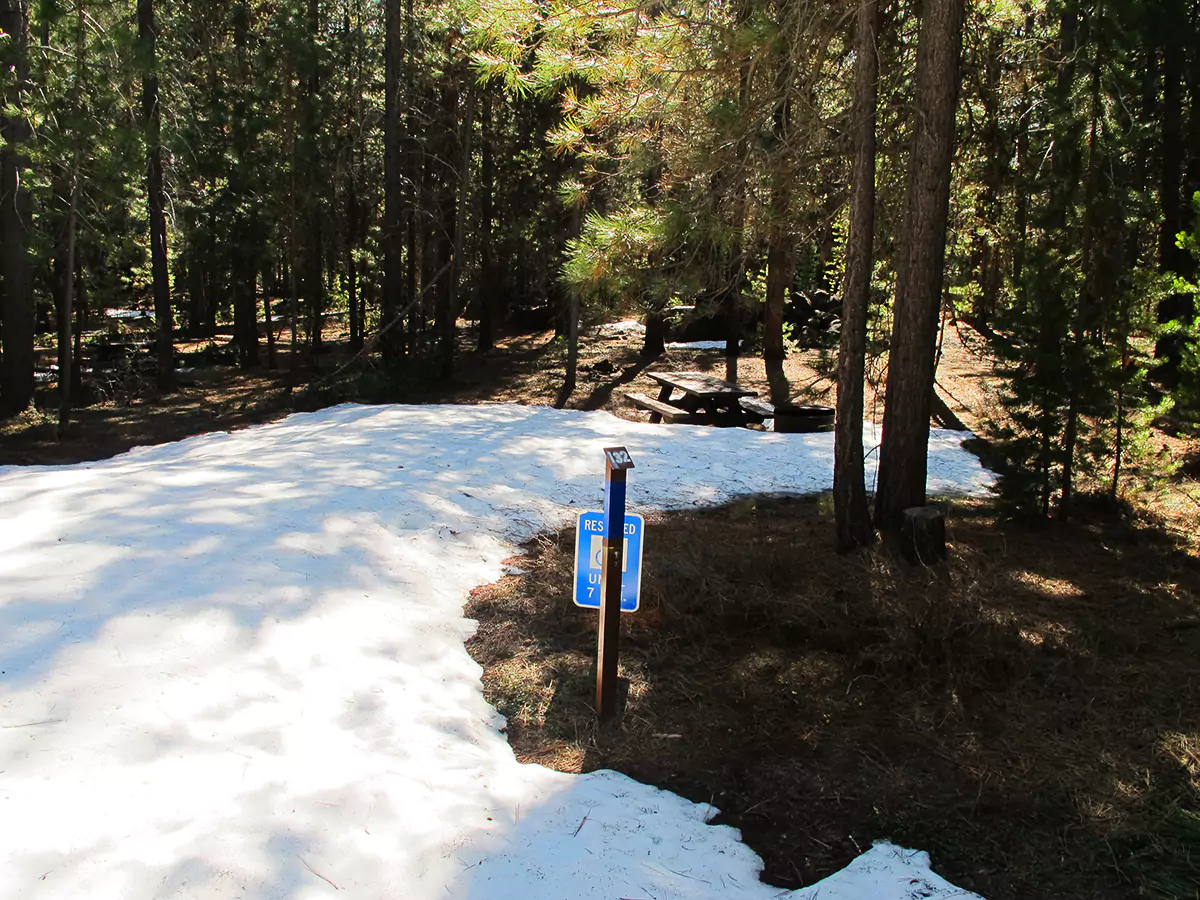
(851, 512)
(904, 452)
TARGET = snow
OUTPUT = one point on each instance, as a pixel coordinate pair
(696, 345)
(129, 313)
(233, 666)
(625, 326)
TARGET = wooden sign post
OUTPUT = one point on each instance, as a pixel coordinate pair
(608, 642)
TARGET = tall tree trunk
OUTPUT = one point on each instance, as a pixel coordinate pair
(851, 513)
(781, 256)
(1086, 305)
(735, 271)
(412, 172)
(316, 281)
(148, 37)
(16, 287)
(315, 183)
(781, 270)
(393, 193)
(292, 262)
(487, 286)
(571, 375)
(269, 319)
(458, 259)
(1021, 215)
(988, 248)
(904, 454)
(66, 355)
(244, 267)
(81, 323)
(352, 297)
(1176, 208)
(66, 308)
(446, 238)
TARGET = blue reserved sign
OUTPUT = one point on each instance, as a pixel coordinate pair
(589, 558)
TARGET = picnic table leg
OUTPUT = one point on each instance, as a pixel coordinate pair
(731, 415)
(664, 396)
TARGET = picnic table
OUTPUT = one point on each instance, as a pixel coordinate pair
(704, 400)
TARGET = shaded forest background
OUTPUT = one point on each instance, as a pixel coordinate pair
(401, 167)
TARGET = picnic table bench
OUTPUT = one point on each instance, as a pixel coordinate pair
(707, 400)
(704, 400)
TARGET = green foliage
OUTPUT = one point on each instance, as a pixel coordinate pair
(1077, 332)
(1188, 327)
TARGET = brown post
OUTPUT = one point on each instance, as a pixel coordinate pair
(608, 642)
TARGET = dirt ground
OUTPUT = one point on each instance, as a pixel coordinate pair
(1029, 713)
(524, 368)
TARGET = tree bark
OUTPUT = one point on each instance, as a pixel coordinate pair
(987, 245)
(148, 37)
(851, 512)
(1176, 208)
(570, 376)
(487, 297)
(316, 181)
(16, 287)
(412, 176)
(781, 255)
(352, 234)
(654, 343)
(269, 319)
(66, 307)
(736, 268)
(316, 281)
(458, 258)
(66, 339)
(446, 192)
(243, 274)
(781, 269)
(904, 453)
(393, 162)
(81, 322)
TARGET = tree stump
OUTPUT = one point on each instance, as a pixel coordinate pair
(923, 535)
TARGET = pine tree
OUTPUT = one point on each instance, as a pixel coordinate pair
(16, 301)
(904, 450)
(849, 490)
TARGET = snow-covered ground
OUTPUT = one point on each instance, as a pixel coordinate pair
(625, 326)
(234, 666)
(695, 345)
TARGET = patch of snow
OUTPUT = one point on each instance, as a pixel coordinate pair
(696, 345)
(623, 327)
(234, 665)
(129, 313)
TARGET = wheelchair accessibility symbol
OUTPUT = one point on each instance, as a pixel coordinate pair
(589, 558)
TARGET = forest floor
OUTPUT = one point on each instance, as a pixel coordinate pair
(1028, 715)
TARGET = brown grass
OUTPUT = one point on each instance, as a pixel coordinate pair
(1029, 713)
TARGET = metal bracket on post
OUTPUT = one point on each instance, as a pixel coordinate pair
(608, 643)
